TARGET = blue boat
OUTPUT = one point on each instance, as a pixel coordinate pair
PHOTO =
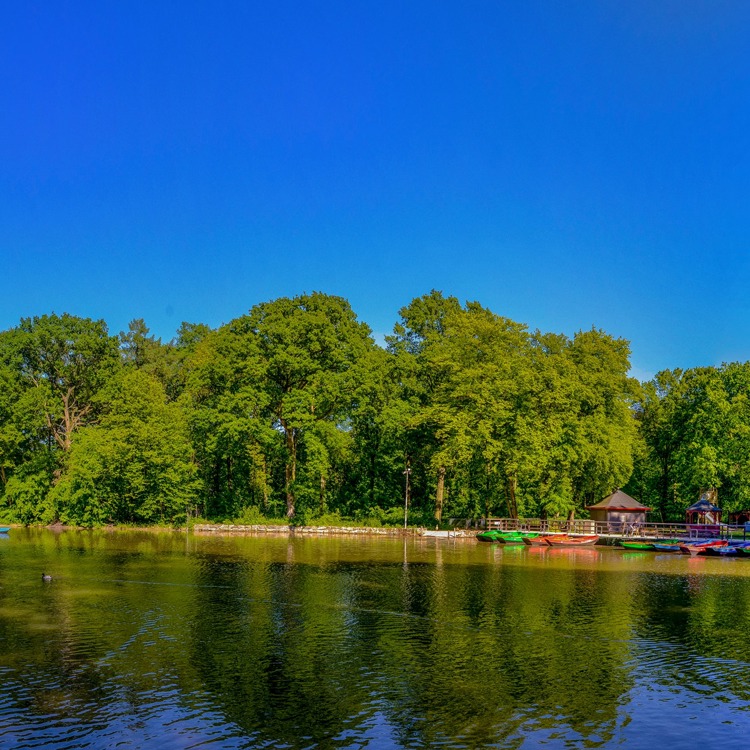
(4, 529)
(720, 551)
(668, 545)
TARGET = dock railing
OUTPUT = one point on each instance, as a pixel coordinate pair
(646, 530)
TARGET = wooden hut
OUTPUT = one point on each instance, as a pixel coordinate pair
(620, 511)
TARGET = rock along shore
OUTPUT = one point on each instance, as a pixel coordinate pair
(224, 528)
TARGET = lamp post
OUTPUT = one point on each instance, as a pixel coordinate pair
(406, 493)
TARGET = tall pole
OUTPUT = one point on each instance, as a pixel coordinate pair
(406, 493)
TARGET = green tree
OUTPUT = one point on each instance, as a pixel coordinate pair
(68, 359)
(231, 421)
(605, 426)
(135, 465)
(310, 348)
(659, 420)
(420, 372)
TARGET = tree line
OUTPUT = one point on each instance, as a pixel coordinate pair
(294, 411)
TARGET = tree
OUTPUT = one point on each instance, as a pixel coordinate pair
(604, 425)
(230, 420)
(309, 348)
(135, 465)
(660, 430)
(413, 346)
(68, 359)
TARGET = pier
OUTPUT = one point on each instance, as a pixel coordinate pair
(608, 531)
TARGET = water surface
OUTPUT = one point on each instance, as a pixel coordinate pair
(148, 640)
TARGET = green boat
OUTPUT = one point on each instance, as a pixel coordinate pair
(636, 544)
(517, 538)
(505, 537)
(488, 536)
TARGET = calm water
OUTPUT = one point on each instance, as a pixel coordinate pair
(153, 640)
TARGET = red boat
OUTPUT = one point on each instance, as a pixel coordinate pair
(566, 540)
(536, 541)
(698, 548)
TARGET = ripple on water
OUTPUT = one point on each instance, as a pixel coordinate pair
(279, 645)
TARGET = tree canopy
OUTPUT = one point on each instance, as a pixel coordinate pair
(292, 410)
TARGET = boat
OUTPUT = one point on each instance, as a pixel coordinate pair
(720, 551)
(699, 548)
(518, 538)
(668, 545)
(4, 529)
(489, 536)
(536, 541)
(636, 545)
(504, 537)
(569, 540)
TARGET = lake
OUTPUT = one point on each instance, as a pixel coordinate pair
(158, 640)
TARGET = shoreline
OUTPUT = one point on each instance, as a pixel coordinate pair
(258, 529)
(226, 529)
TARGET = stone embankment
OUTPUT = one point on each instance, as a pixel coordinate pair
(224, 528)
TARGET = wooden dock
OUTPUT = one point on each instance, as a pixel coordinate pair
(608, 531)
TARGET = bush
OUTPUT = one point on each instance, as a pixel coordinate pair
(252, 515)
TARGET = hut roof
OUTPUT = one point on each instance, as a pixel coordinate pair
(618, 500)
(702, 506)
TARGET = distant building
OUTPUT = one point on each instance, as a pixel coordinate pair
(619, 511)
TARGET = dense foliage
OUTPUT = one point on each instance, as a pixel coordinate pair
(293, 410)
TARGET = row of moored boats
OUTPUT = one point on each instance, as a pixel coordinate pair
(537, 539)
(715, 547)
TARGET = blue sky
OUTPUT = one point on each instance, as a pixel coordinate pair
(566, 164)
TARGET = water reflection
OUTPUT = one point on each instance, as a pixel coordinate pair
(154, 640)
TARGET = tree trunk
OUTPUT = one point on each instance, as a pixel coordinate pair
(512, 500)
(664, 488)
(322, 494)
(372, 479)
(487, 500)
(69, 419)
(265, 484)
(439, 494)
(217, 478)
(72, 419)
(290, 471)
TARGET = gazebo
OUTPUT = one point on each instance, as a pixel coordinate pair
(619, 510)
(704, 511)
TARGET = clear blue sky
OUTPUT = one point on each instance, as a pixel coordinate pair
(566, 164)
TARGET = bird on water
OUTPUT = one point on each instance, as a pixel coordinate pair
(46, 577)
